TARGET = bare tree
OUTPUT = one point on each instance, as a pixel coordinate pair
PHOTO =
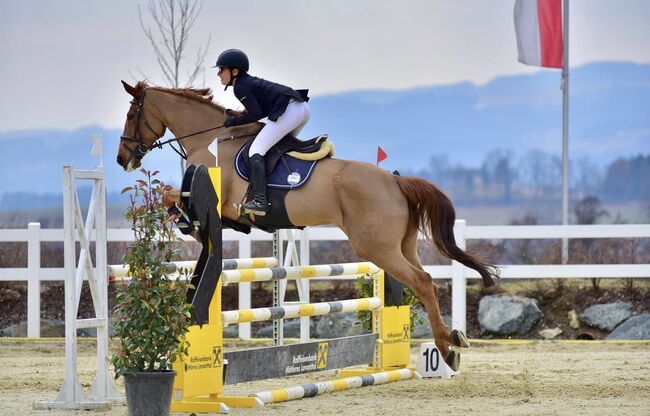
(589, 210)
(173, 20)
(533, 167)
(497, 170)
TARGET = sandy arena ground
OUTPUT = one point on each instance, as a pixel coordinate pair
(527, 378)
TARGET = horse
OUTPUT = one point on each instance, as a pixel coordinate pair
(381, 213)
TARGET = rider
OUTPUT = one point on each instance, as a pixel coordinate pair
(287, 111)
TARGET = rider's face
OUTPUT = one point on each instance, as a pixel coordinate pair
(225, 73)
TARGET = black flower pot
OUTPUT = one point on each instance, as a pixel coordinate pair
(149, 393)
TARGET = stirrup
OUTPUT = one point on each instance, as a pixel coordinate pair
(255, 207)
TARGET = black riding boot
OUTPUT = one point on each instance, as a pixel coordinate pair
(257, 203)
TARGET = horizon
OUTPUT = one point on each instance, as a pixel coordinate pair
(353, 91)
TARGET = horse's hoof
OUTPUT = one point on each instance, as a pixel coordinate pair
(453, 360)
(458, 339)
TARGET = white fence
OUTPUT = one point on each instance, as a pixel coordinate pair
(34, 274)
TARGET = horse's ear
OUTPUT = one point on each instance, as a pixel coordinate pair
(131, 90)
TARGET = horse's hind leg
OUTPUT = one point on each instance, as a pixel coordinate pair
(389, 257)
(410, 252)
(375, 216)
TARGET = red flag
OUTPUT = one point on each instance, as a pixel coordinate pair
(381, 155)
(538, 24)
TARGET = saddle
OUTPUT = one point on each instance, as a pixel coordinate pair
(289, 163)
(291, 146)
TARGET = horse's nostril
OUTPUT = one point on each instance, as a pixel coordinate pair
(119, 160)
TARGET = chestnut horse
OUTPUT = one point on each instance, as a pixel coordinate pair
(379, 212)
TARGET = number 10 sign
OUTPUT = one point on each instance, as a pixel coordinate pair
(431, 364)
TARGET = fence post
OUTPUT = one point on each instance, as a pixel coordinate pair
(459, 283)
(244, 296)
(33, 280)
(71, 390)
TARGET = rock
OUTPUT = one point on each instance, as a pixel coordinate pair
(329, 326)
(338, 325)
(423, 330)
(49, 328)
(15, 331)
(291, 329)
(231, 331)
(508, 314)
(635, 328)
(574, 322)
(606, 316)
(550, 333)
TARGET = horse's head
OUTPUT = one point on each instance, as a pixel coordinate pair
(141, 129)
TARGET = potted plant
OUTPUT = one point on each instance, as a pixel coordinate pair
(151, 312)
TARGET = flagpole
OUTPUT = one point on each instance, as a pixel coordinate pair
(565, 128)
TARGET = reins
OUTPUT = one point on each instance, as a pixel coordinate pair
(143, 149)
(182, 153)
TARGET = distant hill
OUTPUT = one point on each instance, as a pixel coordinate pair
(609, 114)
(609, 117)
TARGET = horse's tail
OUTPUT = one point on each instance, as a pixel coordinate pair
(431, 211)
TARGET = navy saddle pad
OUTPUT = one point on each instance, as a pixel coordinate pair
(288, 173)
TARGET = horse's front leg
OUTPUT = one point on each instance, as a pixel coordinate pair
(172, 201)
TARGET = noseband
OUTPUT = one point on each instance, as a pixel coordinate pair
(142, 148)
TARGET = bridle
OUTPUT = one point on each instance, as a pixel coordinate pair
(142, 148)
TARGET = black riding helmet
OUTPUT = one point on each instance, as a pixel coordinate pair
(233, 58)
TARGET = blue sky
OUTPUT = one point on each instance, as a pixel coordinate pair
(62, 60)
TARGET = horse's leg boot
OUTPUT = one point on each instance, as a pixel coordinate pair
(257, 203)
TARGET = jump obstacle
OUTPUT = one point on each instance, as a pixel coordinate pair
(202, 374)
(102, 392)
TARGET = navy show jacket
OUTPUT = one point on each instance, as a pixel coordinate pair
(262, 98)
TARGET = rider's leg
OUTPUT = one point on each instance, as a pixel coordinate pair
(304, 107)
(257, 203)
(292, 121)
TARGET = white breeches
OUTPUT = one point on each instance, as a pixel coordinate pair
(292, 121)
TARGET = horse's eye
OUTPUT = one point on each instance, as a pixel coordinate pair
(130, 115)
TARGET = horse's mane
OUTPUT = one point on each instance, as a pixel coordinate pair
(201, 95)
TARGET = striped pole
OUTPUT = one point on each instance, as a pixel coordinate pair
(296, 311)
(297, 272)
(314, 389)
(120, 271)
(253, 263)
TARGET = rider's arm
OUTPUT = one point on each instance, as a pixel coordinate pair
(253, 112)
